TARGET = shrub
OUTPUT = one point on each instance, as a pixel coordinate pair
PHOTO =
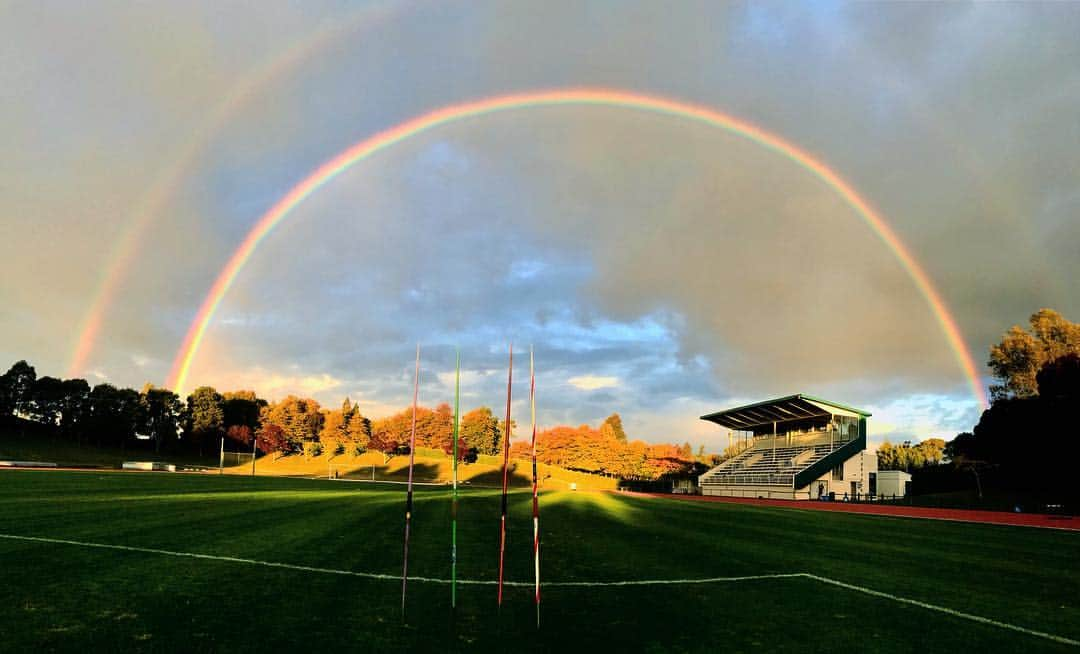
(358, 449)
(313, 448)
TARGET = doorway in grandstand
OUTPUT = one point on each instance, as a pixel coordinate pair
(819, 489)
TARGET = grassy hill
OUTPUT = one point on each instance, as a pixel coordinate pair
(27, 441)
(286, 564)
(30, 442)
(428, 468)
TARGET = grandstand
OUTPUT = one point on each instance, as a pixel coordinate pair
(797, 447)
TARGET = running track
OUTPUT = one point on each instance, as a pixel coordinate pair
(958, 515)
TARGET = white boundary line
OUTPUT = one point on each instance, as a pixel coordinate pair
(560, 584)
(942, 609)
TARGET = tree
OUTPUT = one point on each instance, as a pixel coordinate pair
(206, 416)
(75, 408)
(16, 388)
(239, 435)
(242, 408)
(438, 428)
(299, 418)
(333, 429)
(358, 431)
(480, 431)
(46, 400)
(114, 414)
(390, 434)
(1059, 380)
(612, 427)
(686, 452)
(933, 450)
(272, 438)
(1016, 360)
(162, 415)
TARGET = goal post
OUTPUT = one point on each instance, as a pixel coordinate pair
(351, 471)
(234, 459)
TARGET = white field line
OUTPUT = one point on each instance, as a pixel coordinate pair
(559, 584)
(943, 609)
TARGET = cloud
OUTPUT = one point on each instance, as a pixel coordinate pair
(691, 265)
(592, 382)
(276, 385)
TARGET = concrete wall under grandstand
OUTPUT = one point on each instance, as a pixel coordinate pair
(798, 447)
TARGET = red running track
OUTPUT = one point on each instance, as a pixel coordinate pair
(958, 515)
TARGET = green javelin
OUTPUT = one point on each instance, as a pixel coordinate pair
(454, 493)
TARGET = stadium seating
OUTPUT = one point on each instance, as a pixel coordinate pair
(764, 465)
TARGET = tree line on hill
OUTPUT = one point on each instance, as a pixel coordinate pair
(157, 419)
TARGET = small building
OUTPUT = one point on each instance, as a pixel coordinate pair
(893, 482)
(797, 447)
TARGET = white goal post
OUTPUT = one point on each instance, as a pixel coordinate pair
(340, 470)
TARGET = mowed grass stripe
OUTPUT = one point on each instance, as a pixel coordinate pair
(1027, 579)
(559, 584)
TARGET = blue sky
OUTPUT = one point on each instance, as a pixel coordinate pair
(660, 269)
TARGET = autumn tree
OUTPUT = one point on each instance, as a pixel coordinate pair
(358, 431)
(613, 428)
(300, 419)
(480, 431)
(1020, 355)
(390, 434)
(332, 435)
(239, 435)
(242, 408)
(437, 427)
(206, 416)
(272, 438)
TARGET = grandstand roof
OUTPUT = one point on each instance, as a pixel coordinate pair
(783, 409)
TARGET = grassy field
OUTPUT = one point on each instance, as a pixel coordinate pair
(36, 444)
(66, 597)
(437, 469)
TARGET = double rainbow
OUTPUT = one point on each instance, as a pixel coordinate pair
(557, 97)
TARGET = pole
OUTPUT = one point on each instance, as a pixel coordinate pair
(408, 496)
(221, 459)
(536, 497)
(774, 441)
(254, 445)
(506, 462)
(454, 492)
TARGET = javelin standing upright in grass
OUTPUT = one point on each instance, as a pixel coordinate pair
(536, 497)
(506, 462)
(454, 492)
(408, 496)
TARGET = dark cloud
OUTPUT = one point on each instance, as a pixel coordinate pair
(691, 265)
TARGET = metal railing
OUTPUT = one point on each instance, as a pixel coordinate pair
(750, 478)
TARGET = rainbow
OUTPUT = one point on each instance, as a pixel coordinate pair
(564, 97)
(167, 184)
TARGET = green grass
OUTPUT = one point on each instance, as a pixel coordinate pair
(66, 598)
(36, 444)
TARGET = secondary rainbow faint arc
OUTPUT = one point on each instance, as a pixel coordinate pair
(167, 184)
(556, 97)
